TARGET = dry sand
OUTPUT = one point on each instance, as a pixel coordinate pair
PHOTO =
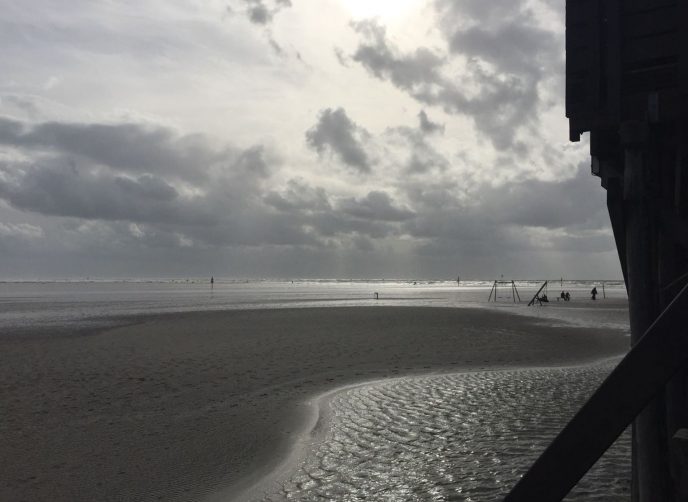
(176, 407)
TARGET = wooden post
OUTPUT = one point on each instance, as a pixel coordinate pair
(649, 452)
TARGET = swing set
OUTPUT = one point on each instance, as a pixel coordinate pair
(509, 285)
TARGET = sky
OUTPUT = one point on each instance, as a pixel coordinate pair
(292, 138)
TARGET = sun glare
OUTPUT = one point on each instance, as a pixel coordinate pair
(384, 9)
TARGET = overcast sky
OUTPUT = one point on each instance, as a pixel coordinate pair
(292, 138)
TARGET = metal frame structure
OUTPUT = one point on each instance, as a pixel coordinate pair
(514, 290)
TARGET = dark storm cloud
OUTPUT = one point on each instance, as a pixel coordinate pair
(375, 206)
(335, 224)
(523, 50)
(63, 189)
(505, 58)
(299, 196)
(375, 215)
(575, 203)
(173, 185)
(128, 147)
(208, 200)
(337, 133)
(547, 204)
(427, 126)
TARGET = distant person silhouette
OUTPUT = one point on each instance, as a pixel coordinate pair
(563, 296)
(567, 296)
(593, 292)
(212, 282)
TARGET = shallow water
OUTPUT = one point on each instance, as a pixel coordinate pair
(450, 437)
(93, 304)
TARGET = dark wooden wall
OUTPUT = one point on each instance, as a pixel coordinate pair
(627, 84)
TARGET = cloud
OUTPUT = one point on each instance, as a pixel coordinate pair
(376, 205)
(406, 71)
(548, 204)
(20, 103)
(62, 188)
(261, 12)
(500, 215)
(20, 230)
(427, 126)
(211, 199)
(505, 59)
(169, 184)
(337, 133)
(133, 148)
(421, 156)
(463, 163)
(299, 196)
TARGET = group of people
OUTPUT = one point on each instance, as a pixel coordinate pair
(567, 297)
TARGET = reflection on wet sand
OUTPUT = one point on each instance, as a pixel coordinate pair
(451, 437)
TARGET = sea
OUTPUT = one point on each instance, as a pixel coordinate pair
(441, 437)
(26, 306)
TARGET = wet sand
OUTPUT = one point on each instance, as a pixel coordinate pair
(183, 406)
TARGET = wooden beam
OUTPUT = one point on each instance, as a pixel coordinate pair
(638, 378)
(536, 294)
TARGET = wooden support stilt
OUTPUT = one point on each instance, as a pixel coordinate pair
(650, 455)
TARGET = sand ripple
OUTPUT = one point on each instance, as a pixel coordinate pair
(451, 437)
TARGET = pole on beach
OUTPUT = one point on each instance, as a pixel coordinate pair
(494, 289)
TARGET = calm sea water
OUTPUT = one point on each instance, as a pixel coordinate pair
(28, 305)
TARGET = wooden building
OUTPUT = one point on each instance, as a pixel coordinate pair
(627, 86)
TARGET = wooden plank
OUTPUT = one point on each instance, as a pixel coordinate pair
(612, 58)
(638, 378)
(683, 61)
(615, 207)
(650, 49)
(650, 23)
(645, 5)
(582, 54)
(578, 60)
(577, 38)
(634, 106)
(578, 11)
(650, 79)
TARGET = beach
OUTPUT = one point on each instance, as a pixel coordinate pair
(188, 406)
